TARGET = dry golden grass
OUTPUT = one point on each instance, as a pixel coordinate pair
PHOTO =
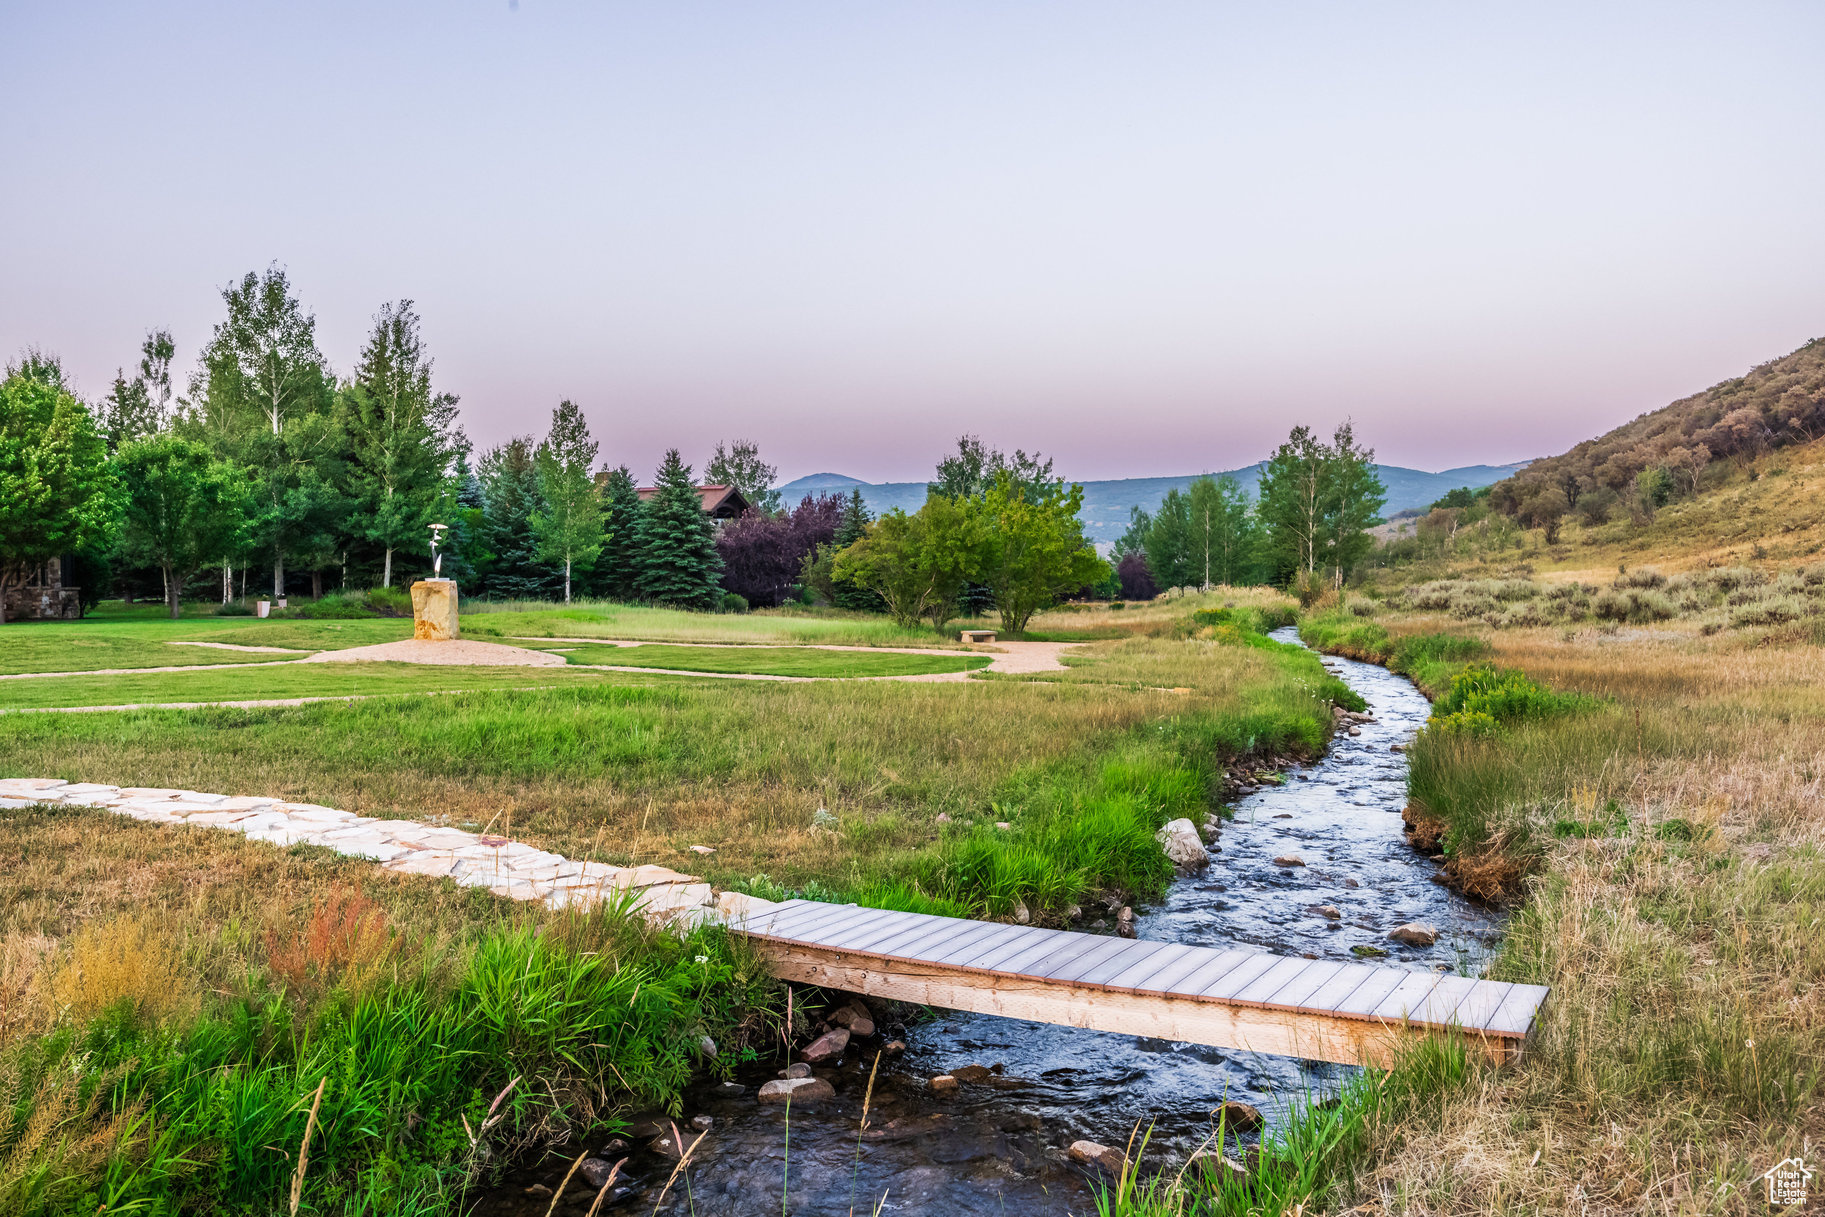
(124, 959)
(1769, 514)
(1680, 1054)
(95, 908)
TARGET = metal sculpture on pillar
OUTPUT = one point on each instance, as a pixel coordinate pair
(434, 599)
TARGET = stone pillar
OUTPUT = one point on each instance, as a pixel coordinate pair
(434, 610)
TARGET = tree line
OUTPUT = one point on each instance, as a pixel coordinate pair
(268, 470)
(1307, 524)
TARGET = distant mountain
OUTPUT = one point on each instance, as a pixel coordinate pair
(815, 483)
(1107, 504)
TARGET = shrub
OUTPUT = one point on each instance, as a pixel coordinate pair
(1505, 695)
(339, 606)
(1464, 722)
(1773, 611)
(734, 602)
(389, 601)
(1642, 578)
(1135, 578)
(1362, 608)
(234, 608)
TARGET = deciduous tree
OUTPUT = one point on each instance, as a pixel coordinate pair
(141, 406)
(183, 508)
(57, 488)
(569, 524)
(1034, 551)
(262, 397)
(739, 465)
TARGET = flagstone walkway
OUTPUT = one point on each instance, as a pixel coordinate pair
(506, 868)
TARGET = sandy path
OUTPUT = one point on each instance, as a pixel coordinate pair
(461, 653)
(235, 646)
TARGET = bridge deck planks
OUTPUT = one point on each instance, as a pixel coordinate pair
(1234, 997)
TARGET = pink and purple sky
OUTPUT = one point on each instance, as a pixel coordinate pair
(1144, 238)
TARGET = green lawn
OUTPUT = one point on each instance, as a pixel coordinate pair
(113, 637)
(290, 680)
(774, 661)
(607, 619)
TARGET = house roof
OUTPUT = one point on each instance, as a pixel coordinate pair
(723, 502)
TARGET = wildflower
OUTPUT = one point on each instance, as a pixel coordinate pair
(703, 959)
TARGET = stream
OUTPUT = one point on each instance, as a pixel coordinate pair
(996, 1146)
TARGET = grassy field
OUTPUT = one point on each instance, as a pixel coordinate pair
(506, 621)
(1083, 765)
(771, 660)
(1665, 822)
(172, 1000)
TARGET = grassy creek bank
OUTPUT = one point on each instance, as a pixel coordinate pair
(1651, 801)
(195, 1024)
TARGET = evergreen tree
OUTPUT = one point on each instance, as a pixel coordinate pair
(464, 553)
(510, 496)
(678, 560)
(401, 439)
(569, 525)
(851, 527)
(617, 570)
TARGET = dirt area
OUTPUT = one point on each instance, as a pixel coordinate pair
(456, 653)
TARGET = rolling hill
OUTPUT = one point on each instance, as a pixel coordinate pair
(1108, 503)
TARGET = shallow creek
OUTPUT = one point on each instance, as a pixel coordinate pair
(995, 1146)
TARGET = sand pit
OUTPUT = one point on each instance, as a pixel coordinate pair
(457, 653)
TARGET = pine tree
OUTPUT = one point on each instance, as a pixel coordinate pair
(678, 560)
(510, 495)
(464, 553)
(851, 527)
(402, 438)
(617, 570)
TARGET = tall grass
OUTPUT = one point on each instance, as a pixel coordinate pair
(200, 1100)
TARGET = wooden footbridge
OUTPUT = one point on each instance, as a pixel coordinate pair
(1316, 1009)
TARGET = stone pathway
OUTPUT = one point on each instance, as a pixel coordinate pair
(506, 868)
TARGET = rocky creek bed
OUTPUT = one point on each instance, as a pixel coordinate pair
(1316, 865)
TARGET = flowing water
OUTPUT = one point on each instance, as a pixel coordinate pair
(994, 1147)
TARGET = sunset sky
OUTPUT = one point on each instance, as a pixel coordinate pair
(1143, 238)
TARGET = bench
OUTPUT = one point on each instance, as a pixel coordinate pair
(978, 635)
